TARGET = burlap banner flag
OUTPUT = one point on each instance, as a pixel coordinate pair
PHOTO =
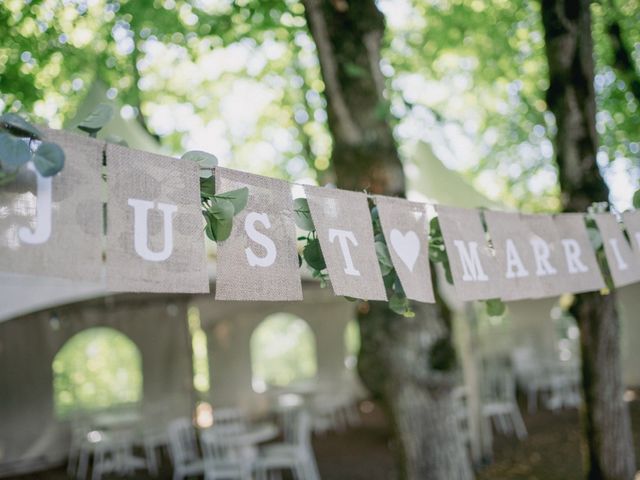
(259, 260)
(52, 226)
(515, 257)
(623, 263)
(544, 241)
(473, 266)
(155, 235)
(580, 261)
(405, 226)
(632, 223)
(343, 225)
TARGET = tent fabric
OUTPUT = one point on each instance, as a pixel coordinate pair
(31, 434)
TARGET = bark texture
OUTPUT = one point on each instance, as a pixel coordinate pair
(607, 437)
(396, 355)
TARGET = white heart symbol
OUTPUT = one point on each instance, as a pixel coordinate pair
(407, 246)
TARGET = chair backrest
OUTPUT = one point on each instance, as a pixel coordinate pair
(231, 417)
(182, 442)
(499, 384)
(213, 446)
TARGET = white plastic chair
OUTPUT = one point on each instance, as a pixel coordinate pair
(296, 456)
(183, 449)
(499, 401)
(231, 419)
(218, 462)
(114, 454)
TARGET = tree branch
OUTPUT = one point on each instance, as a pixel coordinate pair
(350, 132)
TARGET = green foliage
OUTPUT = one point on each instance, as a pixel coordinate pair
(636, 200)
(218, 209)
(302, 215)
(206, 161)
(48, 159)
(16, 139)
(96, 369)
(97, 119)
(495, 307)
(18, 126)
(283, 351)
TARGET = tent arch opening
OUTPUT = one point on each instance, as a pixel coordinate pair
(96, 369)
(283, 352)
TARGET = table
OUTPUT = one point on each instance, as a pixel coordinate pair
(242, 445)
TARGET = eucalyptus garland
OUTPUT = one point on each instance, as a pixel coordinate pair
(21, 143)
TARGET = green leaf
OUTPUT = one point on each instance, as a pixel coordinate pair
(207, 187)
(302, 215)
(594, 237)
(48, 159)
(313, 255)
(495, 307)
(18, 125)
(382, 253)
(399, 304)
(97, 119)
(437, 253)
(636, 199)
(206, 161)
(238, 198)
(220, 217)
(14, 152)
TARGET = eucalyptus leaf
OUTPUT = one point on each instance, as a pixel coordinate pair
(14, 152)
(382, 253)
(398, 304)
(636, 199)
(594, 237)
(238, 198)
(18, 125)
(220, 216)
(206, 161)
(302, 215)
(313, 255)
(495, 307)
(97, 119)
(207, 187)
(48, 159)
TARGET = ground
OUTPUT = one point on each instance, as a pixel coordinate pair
(551, 452)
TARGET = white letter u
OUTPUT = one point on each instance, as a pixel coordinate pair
(141, 235)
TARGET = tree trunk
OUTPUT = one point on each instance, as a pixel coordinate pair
(571, 97)
(622, 59)
(395, 355)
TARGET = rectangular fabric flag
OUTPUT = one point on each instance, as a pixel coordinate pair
(405, 228)
(259, 260)
(581, 264)
(343, 225)
(632, 223)
(544, 241)
(623, 263)
(514, 255)
(473, 266)
(155, 234)
(52, 226)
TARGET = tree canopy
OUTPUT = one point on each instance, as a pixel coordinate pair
(241, 79)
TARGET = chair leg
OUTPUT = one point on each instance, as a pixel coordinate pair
(518, 423)
(83, 465)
